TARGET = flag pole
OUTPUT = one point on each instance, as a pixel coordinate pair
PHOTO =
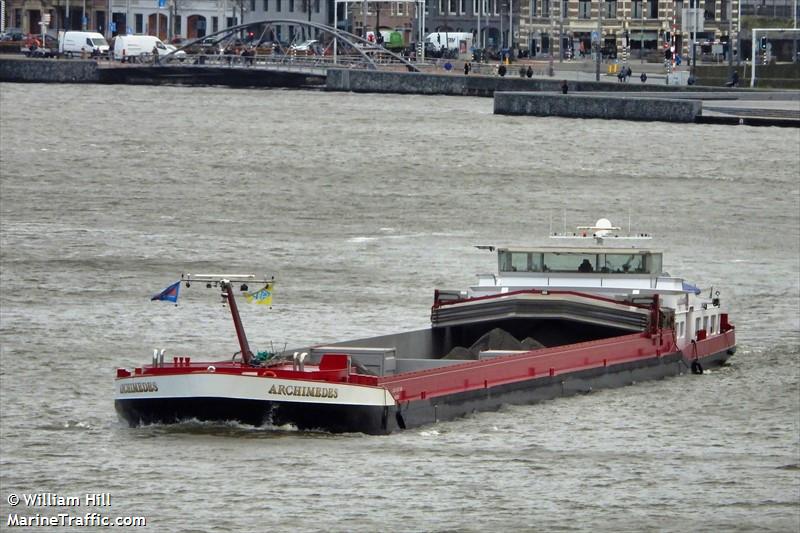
(225, 282)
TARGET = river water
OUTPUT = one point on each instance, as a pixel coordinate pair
(361, 205)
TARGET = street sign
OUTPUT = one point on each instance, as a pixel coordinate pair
(162, 4)
(46, 18)
(112, 26)
(595, 37)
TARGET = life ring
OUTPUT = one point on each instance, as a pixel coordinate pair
(211, 368)
(269, 374)
(697, 368)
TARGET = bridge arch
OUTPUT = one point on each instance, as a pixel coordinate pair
(365, 49)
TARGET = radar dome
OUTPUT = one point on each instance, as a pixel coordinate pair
(603, 227)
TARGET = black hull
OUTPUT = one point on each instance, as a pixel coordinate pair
(379, 420)
(304, 416)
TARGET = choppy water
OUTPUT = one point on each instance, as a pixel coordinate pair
(361, 205)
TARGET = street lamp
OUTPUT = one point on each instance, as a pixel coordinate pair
(561, 32)
(641, 32)
(599, 48)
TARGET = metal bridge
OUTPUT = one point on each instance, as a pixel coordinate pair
(253, 45)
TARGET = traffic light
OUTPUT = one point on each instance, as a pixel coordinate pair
(764, 42)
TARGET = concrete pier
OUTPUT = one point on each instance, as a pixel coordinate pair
(371, 81)
(592, 106)
(21, 69)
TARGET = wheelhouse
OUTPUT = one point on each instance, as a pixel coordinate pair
(625, 261)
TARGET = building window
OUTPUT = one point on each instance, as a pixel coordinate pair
(462, 7)
(214, 24)
(610, 11)
(291, 32)
(266, 6)
(278, 6)
(252, 6)
(564, 8)
(316, 6)
(652, 9)
(584, 9)
(636, 10)
(710, 10)
(453, 7)
(534, 5)
(139, 23)
(291, 10)
(178, 25)
(545, 8)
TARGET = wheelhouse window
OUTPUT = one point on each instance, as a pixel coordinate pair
(568, 262)
(515, 261)
(623, 263)
(605, 263)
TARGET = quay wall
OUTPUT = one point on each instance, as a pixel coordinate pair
(594, 106)
(375, 81)
(21, 69)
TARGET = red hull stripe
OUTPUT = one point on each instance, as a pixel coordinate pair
(545, 362)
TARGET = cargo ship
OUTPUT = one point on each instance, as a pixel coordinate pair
(552, 321)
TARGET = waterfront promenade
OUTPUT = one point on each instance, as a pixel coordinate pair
(631, 100)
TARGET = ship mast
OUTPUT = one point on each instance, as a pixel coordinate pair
(225, 282)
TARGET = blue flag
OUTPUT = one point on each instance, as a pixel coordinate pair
(170, 294)
(688, 287)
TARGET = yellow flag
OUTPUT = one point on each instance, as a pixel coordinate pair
(261, 296)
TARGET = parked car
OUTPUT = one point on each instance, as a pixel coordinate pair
(12, 34)
(309, 47)
(32, 46)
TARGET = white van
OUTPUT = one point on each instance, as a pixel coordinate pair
(461, 41)
(72, 43)
(132, 47)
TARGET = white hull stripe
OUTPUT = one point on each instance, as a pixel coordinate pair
(210, 385)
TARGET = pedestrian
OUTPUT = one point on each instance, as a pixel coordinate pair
(501, 70)
(467, 68)
(643, 77)
(628, 73)
(564, 87)
(529, 72)
(522, 71)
